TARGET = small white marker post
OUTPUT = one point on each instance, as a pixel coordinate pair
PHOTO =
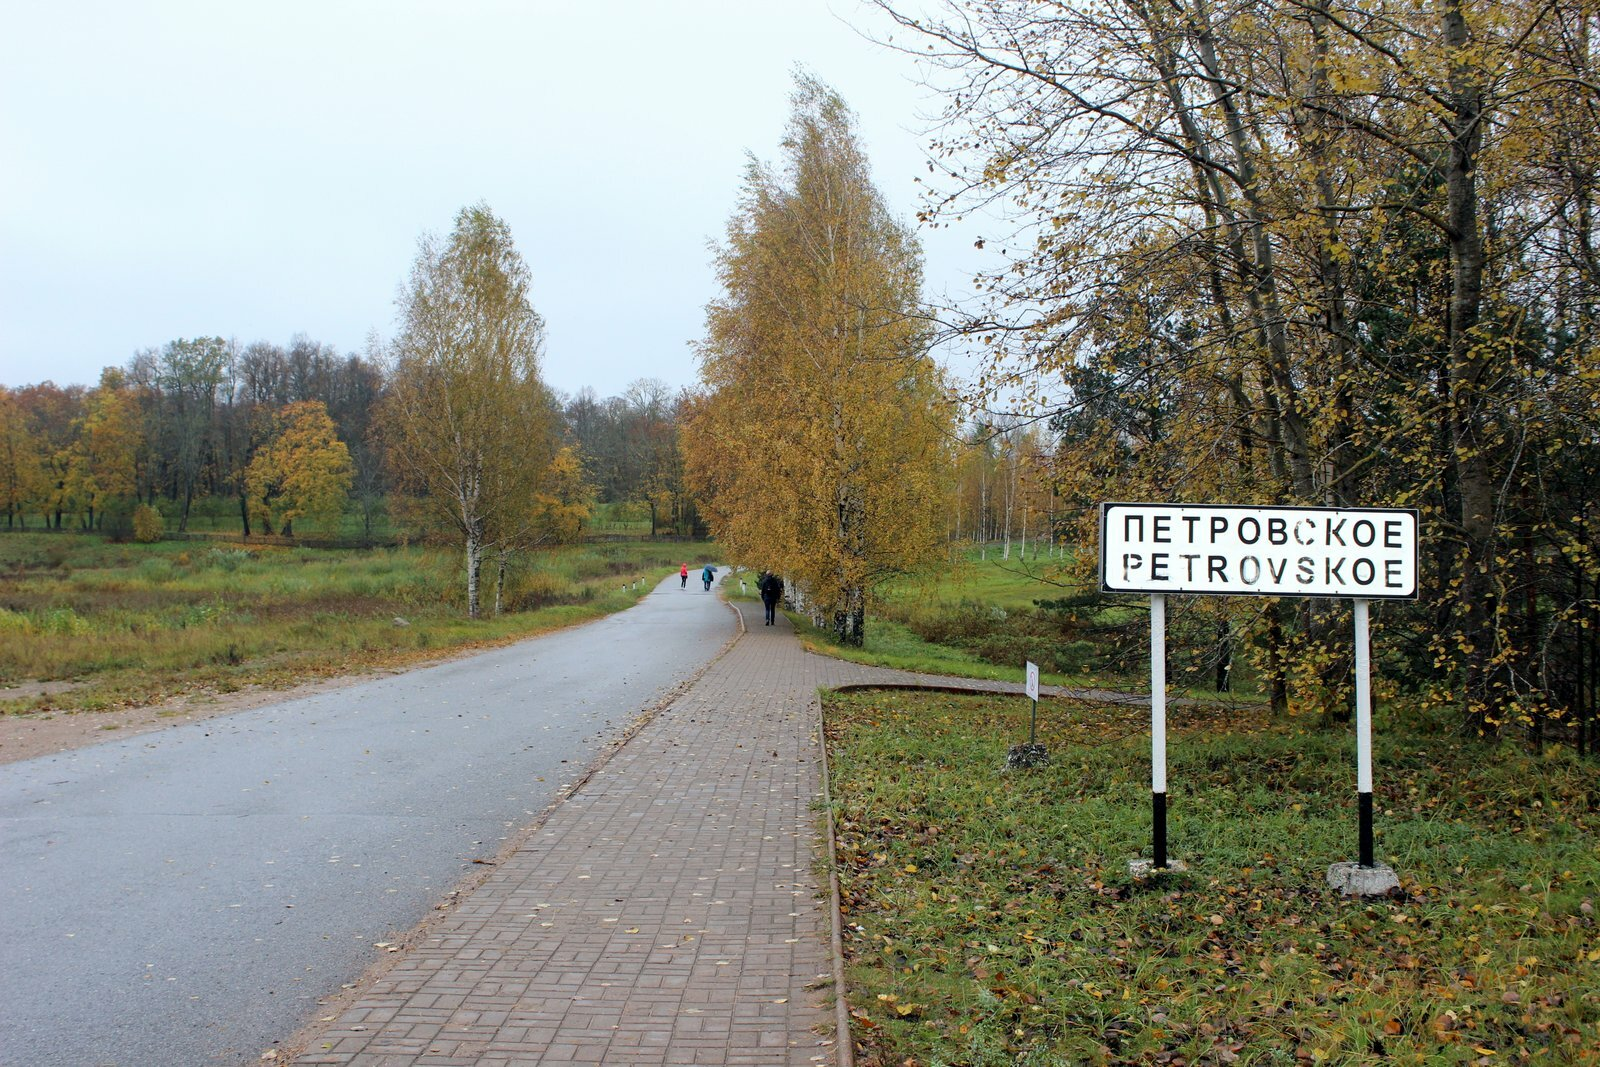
(1032, 671)
(1032, 754)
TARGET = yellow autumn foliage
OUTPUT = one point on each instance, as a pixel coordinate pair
(820, 447)
(303, 471)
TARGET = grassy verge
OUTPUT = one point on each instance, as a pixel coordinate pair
(991, 918)
(1006, 583)
(132, 624)
(893, 644)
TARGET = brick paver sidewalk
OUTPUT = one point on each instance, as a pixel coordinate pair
(666, 913)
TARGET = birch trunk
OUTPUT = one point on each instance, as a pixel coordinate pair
(500, 580)
(1022, 551)
(474, 566)
(983, 510)
(1011, 496)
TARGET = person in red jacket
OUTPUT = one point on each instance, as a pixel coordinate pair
(683, 577)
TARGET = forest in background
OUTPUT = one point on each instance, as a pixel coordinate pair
(178, 427)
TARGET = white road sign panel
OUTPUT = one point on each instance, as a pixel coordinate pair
(1368, 553)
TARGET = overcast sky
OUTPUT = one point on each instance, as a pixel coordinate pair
(257, 170)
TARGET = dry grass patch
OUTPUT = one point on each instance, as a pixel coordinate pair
(118, 625)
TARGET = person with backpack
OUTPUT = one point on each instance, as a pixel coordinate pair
(771, 587)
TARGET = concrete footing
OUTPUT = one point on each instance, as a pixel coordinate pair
(1148, 868)
(1023, 757)
(1354, 880)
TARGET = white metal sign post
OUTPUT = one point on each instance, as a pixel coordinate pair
(1363, 733)
(1158, 728)
(1359, 554)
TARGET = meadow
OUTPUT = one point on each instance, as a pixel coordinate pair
(991, 917)
(124, 624)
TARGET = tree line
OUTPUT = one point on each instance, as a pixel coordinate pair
(1005, 492)
(1314, 253)
(178, 426)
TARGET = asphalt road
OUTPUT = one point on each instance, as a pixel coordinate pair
(184, 897)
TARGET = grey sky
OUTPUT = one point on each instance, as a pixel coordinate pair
(256, 170)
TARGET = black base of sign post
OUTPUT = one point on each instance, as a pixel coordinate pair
(1366, 877)
(1364, 806)
(1158, 808)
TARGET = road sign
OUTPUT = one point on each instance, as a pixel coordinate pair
(1224, 549)
(1033, 681)
(1365, 553)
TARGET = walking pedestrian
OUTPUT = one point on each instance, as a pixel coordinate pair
(683, 577)
(771, 587)
(706, 575)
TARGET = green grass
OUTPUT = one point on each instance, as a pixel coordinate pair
(892, 644)
(1006, 584)
(131, 624)
(992, 920)
(1013, 583)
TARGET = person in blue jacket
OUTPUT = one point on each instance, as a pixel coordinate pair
(706, 575)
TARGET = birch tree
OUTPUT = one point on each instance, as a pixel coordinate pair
(821, 451)
(468, 422)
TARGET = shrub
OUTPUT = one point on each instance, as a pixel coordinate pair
(228, 559)
(1013, 647)
(966, 621)
(155, 570)
(147, 525)
(15, 622)
(63, 622)
(1073, 657)
(1047, 637)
